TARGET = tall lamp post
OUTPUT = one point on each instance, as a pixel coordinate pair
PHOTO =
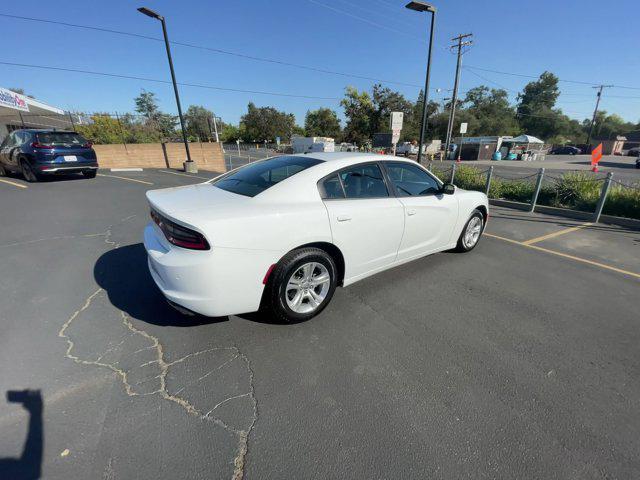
(420, 6)
(189, 165)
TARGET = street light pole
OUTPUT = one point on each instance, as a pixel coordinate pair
(189, 164)
(419, 6)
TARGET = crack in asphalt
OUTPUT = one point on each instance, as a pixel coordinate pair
(154, 361)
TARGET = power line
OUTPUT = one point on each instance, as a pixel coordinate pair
(214, 50)
(366, 20)
(560, 79)
(155, 80)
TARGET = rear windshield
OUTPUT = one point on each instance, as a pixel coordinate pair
(61, 138)
(257, 177)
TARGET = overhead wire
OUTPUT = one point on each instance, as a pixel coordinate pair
(155, 80)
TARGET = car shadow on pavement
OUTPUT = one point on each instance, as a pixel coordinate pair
(123, 273)
(28, 466)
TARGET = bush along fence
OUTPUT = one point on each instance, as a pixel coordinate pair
(574, 191)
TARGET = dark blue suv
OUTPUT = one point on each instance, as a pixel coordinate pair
(36, 153)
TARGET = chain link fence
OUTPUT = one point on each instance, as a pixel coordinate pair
(579, 191)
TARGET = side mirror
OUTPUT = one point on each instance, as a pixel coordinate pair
(448, 189)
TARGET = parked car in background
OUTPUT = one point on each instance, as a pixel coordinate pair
(36, 153)
(281, 234)
(406, 149)
(633, 152)
(347, 147)
(565, 150)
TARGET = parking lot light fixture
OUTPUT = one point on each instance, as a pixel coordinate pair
(419, 6)
(189, 165)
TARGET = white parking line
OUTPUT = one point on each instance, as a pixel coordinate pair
(125, 178)
(185, 174)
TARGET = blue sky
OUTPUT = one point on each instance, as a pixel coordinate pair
(577, 40)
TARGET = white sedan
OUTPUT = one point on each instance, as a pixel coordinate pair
(282, 233)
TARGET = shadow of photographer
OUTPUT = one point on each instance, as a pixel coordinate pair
(29, 465)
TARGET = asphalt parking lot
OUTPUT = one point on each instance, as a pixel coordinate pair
(517, 360)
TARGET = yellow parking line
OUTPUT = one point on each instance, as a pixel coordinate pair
(566, 255)
(12, 183)
(125, 178)
(557, 234)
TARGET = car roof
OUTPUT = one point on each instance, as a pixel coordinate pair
(294, 188)
(334, 156)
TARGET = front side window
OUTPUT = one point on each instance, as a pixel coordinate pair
(411, 180)
(257, 177)
(363, 181)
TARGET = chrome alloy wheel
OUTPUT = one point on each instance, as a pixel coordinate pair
(307, 287)
(473, 231)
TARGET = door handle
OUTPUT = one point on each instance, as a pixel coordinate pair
(411, 212)
(344, 218)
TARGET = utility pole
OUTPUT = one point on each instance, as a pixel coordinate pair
(595, 112)
(460, 43)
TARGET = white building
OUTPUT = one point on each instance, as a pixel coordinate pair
(19, 111)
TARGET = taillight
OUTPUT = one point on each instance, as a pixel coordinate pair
(87, 145)
(41, 145)
(179, 235)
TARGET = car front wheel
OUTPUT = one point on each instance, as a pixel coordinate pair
(301, 285)
(471, 232)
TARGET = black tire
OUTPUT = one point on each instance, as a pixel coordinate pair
(90, 173)
(274, 299)
(3, 172)
(463, 245)
(27, 172)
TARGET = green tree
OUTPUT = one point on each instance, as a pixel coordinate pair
(535, 110)
(197, 120)
(103, 129)
(163, 123)
(386, 101)
(147, 105)
(359, 109)
(434, 128)
(607, 127)
(266, 123)
(322, 122)
(492, 114)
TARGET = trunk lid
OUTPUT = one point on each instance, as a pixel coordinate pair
(193, 198)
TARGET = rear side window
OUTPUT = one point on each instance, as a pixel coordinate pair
(363, 181)
(257, 177)
(331, 187)
(61, 138)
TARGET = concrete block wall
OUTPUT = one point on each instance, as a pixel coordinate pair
(208, 156)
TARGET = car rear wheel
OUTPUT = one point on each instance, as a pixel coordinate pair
(301, 285)
(3, 172)
(90, 173)
(28, 172)
(471, 232)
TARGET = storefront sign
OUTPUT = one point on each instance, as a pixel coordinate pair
(13, 100)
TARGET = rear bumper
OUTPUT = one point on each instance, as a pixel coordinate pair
(47, 169)
(215, 283)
